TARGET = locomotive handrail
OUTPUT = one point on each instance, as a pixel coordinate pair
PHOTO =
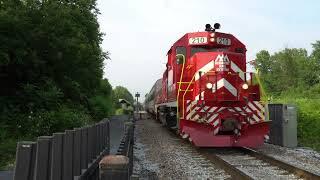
(186, 93)
(178, 93)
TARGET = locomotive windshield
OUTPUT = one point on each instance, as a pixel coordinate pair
(206, 49)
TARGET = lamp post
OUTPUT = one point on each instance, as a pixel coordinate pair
(137, 96)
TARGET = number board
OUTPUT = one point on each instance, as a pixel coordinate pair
(198, 40)
(224, 41)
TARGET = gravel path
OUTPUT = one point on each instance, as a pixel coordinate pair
(301, 157)
(116, 131)
(161, 155)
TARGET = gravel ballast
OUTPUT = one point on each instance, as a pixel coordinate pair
(161, 155)
(304, 158)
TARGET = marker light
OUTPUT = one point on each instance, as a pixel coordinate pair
(209, 85)
(212, 35)
(212, 39)
(245, 86)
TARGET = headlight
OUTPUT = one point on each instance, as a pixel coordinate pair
(209, 85)
(212, 39)
(245, 86)
(212, 35)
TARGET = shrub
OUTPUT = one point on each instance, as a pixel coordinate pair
(48, 122)
(100, 107)
(7, 151)
(308, 120)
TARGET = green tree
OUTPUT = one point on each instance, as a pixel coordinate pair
(292, 76)
(286, 69)
(120, 92)
(51, 68)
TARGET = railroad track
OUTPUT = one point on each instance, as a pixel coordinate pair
(245, 163)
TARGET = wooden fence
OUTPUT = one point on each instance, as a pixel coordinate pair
(73, 154)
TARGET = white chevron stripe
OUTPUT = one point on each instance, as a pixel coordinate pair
(212, 118)
(197, 97)
(231, 110)
(204, 109)
(257, 103)
(189, 107)
(216, 131)
(216, 123)
(252, 106)
(192, 112)
(255, 118)
(206, 68)
(255, 109)
(195, 118)
(251, 121)
(253, 115)
(235, 68)
(247, 109)
(212, 109)
(222, 108)
(224, 83)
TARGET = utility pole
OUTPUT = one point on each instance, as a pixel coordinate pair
(137, 96)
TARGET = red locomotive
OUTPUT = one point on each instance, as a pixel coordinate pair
(206, 93)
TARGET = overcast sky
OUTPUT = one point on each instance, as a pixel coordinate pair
(140, 32)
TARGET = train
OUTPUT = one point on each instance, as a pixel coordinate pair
(206, 93)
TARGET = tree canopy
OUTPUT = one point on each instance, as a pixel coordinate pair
(292, 76)
(51, 69)
(289, 68)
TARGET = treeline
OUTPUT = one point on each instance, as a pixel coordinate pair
(51, 70)
(293, 76)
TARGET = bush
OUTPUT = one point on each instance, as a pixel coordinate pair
(308, 120)
(100, 107)
(48, 122)
(7, 151)
(30, 125)
(119, 111)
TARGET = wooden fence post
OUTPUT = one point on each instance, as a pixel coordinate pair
(56, 162)
(84, 148)
(77, 152)
(25, 160)
(67, 172)
(43, 158)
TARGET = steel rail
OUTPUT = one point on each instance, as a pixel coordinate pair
(233, 171)
(301, 173)
(236, 173)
